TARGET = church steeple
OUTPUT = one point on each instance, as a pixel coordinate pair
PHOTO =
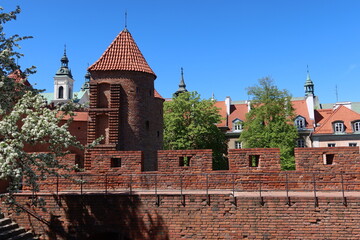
(63, 81)
(64, 68)
(182, 85)
(309, 85)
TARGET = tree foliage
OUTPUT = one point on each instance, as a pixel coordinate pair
(269, 123)
(25, 120)
(190, 123)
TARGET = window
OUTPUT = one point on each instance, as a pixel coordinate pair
(352, 144)
(338, 127)
(300, 143)
(237, 125)
(61, 92)
(238, 145)
(254, 160)
(184, 161)
(147, 125)
(328, 159)
(331, 144)
(300, 122)
(356, 126)
(115, 162)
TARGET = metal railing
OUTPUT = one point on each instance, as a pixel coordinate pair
(204, 183)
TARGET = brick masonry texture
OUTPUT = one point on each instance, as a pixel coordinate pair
(138, 217)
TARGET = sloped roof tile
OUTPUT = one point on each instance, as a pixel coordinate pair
(343, 114)
(122, 54)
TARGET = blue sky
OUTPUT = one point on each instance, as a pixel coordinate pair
(223, 46)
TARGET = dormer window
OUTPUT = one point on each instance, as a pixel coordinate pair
(299, 122)
(356, 126)
(339, 127)
(237, 125)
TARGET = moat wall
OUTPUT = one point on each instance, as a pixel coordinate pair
(138, 217)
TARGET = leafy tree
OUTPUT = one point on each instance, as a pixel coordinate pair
(269, 123)
(190, 123)
(25, 120)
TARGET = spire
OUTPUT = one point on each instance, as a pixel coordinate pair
(86, 84)
(182, 85)
(64, 68)
(122, 55)
(309, 85)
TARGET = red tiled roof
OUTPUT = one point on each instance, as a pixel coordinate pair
(157, 95)
(237, 111)
(122, 54)
(301, 109)
(222, 111)
(19, 78)
(79, 117)
(343, 114)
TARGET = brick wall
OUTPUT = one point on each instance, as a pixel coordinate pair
(138, 217)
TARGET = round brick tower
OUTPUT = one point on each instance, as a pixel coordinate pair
(124, 106)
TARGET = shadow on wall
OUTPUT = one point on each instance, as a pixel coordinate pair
(106, 217)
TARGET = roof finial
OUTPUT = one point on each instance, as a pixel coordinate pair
(182, 85)
(126, 19)
(309, 85)
(64, 49)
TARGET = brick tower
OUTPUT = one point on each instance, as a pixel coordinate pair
(124, 106)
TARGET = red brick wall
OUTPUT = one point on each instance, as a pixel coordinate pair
(312, 159)
(138, 217)
(269, 159)
(135, 115)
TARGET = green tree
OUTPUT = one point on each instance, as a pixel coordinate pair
(26, 120)
(190, 123)
(269, 123)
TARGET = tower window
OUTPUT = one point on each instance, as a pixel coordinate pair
(147, 125)
(254, 160)
(115, 162)
(61, 92)
(328, 159)
(237, 145)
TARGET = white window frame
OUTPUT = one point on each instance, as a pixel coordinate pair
(237, 125)
(238, 145)
(300, 143)
(339, 127)
(331, 144)
(353, 144)
(300, 122)
(356, 126)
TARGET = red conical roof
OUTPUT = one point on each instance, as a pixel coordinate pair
(122, 54)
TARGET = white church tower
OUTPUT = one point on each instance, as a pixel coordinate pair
(63, 82)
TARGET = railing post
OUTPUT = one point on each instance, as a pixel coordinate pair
(106, 186)
(57, 187)
(207, 190)
(81, 184)
(315, 197)
(131, 180)
(261, 198)
(343, 190)
(181, 190)
(287, 190)
(233, 183)
(156, 192)
(233, 189)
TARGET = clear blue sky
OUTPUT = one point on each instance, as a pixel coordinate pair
(223, 46)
